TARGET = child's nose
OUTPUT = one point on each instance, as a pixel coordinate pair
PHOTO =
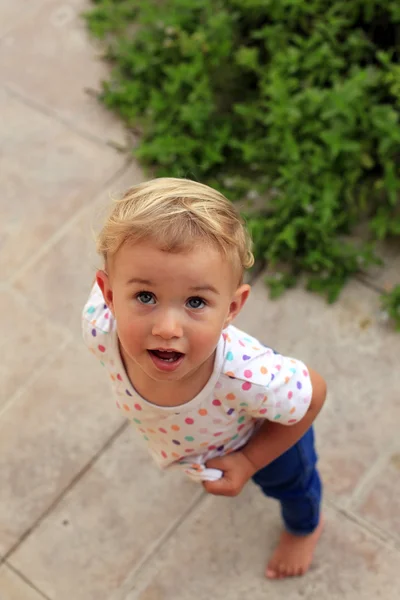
(167, 326)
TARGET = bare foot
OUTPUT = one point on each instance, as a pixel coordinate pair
(294, 554)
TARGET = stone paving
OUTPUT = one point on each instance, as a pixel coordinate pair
(84, 514)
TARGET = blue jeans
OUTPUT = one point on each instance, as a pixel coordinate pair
(294, 480)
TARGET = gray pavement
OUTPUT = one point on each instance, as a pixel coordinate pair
(84, 514)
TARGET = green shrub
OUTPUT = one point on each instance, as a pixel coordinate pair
(294, 102)
(391, 305)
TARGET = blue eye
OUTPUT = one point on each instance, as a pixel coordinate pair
(196, 302)
(145, 298)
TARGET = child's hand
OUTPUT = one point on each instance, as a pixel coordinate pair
(237, 470)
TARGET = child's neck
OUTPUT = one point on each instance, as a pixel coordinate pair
(168, 393)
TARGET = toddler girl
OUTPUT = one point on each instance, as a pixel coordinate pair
(205, 397)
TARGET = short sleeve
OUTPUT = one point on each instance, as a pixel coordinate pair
(288, 394)
(97, 324)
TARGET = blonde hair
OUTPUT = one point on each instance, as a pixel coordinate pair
(175, 214)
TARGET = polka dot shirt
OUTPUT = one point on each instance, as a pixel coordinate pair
(250, 382)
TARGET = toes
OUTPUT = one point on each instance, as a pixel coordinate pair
(272, 570)
(282, 570)
(272, 573)
(287, 571)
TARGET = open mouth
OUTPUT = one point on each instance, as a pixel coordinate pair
(168, 356)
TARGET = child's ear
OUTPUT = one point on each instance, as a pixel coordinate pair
(103, 281)
(237, 303)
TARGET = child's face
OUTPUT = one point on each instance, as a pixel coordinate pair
(178, 303)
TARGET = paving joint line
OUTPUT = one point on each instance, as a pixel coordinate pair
(52, 114)
(127, 586)
(35, 309)
(59, 233)
(366, 483)
(48, 359)
(27, 581)
(81, 473)
(373, 530)
(369, 284)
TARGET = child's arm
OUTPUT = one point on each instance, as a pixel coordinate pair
(270, 441)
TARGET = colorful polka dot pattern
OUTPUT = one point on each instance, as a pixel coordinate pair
(253, 382)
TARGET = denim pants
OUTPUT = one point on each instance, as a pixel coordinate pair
(294, 480)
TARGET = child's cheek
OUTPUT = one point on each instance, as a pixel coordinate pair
(205, 340)
(132, 335)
